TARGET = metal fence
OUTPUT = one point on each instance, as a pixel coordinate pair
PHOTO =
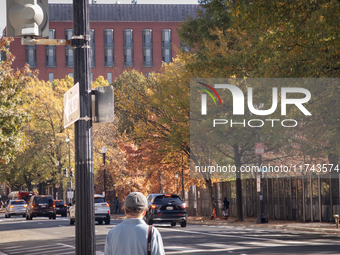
(312, 198)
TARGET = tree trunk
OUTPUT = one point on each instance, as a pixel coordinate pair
(239, 212)
(28, 183)
(238, 186)
(208, 182)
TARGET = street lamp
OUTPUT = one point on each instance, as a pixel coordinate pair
(104, 150)
(176, 177)
(261, 218)
(69, 165)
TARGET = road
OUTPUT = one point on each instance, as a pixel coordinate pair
(44, 236)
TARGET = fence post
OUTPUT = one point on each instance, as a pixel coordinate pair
(284, 198)
(296, 200)
(330, 195)
(291, 197)
(267, 179)
(319, 194)
(273, 199)
(311, 200)
(303, 199)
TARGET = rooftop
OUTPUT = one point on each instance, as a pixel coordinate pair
(127, 12)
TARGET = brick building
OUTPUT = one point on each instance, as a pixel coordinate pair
(138, 36)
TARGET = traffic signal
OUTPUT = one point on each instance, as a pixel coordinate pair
(71, 172)
(27, 18)
(65, 172)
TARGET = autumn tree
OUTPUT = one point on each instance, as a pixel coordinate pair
(46, 153)
(13, 83)
(154, 114)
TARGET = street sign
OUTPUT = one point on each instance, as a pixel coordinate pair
(103, 104)
(70, 194)
(258, 182)
(259, 148)
(71, 105)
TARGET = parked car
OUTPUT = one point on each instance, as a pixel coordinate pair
(101, 211)
(167, 208)
(61, 207)
(41, 206)
(15, 207)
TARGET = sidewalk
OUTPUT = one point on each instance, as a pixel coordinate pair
(320, 227)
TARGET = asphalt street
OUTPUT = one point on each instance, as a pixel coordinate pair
(44, 236)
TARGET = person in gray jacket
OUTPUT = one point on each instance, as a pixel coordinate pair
(131, 236)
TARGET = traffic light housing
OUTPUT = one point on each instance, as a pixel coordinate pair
(27, 18)
(65, 172)
(71, 172)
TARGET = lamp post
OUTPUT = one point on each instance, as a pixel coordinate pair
(182, 179)
(261, 218)
(160, 181)
(69, 165)
(104, 150)
(176, 177)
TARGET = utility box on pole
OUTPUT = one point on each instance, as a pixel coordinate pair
(27, 18)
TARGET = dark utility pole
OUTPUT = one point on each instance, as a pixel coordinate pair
(85, 232)
(183, 195)
(69, 165)
(160, 181)
(104, 150)
(261, 218)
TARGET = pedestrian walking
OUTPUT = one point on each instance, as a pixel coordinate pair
(133, 236)
(226, 206)
(116, 205)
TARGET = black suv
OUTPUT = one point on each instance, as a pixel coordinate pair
(41, 205)
(61, 207)
(166, 208)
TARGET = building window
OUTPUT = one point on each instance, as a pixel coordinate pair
(147, 48)
(108, 48)
(166, 45)
(128, 47)
(91, 76)
(68, 49)
(70, 74)
(51, 51)
(51, 77)
(92, 50)
(31, 56)
(109, 78)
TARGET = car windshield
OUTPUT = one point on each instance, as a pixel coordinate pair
(59, 203)
(17, 202)
(42, 200)
(167, 199)
(99, 200)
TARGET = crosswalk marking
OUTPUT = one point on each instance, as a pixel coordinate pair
(177, 248)
(39, 250)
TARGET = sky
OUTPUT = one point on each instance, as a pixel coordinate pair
(3, 5)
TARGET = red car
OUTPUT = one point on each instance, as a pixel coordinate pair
(41, 206)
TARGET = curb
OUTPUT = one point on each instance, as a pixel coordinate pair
(278, 226)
